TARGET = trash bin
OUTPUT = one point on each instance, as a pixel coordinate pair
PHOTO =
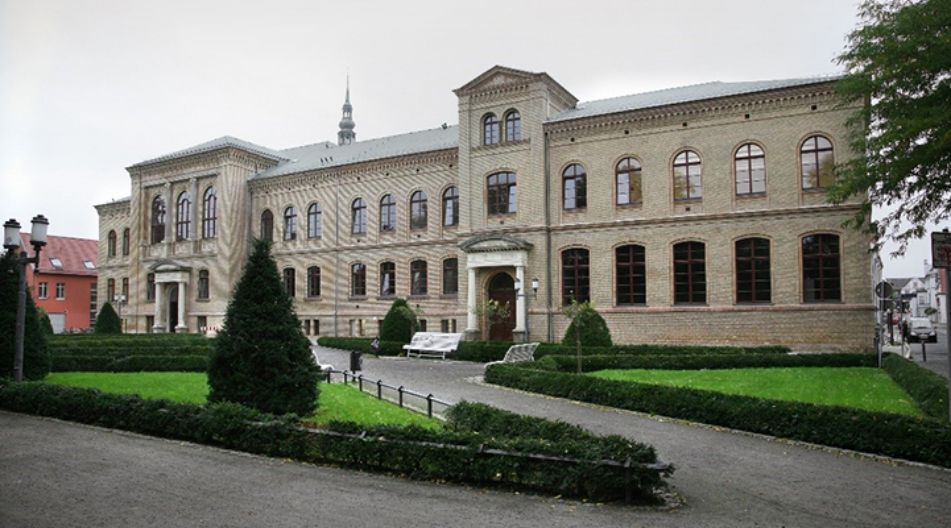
(356, 361)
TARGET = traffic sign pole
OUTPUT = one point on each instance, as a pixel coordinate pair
(941, 258)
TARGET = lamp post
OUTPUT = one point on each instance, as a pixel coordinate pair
(521, 294)
(11, 241)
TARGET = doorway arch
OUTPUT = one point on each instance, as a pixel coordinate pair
(501, 289)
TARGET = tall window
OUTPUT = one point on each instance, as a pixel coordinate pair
(450, 207)
(752, 271)
(513, 126)
(313, 221)
(183, 216)
(750, 163)
(290, 223)
(110, 290)
(817, 163)
(500, 193)
(125, 242)
(267, 225)
(150, 287)
(574, 185)
(450, 276)
(418, 210)
(313, 281)
(418, 279)
(358, 280)
(491, 130)
(387, 279)
(688, 184)
(388, 213)
(43, 290)
(111, 244)
(158, 220)
(630, 274)
(290, 281)
(209, 214)
(358, 217)
(690, 273)
(125, 288)
(628, 179)
(61, 289)
(575, 276)
(203, 287)
(821, 276)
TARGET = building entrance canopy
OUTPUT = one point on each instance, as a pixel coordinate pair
(498, 251)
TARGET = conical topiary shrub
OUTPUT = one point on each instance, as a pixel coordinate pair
(36, 358)
(262, 358)
(594, 330)
(400, 323)
(107, 322)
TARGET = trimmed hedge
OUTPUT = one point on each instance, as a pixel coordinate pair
(929, 390)
(361, 344)
(131, 353)
(106, 363)
(920, 439)
(460, 455)
(712, 361)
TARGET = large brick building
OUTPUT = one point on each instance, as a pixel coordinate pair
(689, 215)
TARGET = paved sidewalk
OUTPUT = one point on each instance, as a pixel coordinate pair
(937, 354)
(723, 475)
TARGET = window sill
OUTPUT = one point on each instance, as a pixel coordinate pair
(687, 200)
(753, 303)
(420, 297)
(750, 196)
(632, 205)
(386, 297)
(203, 300)
(312, 298)
(815, 190)
(357, 298)
(449, 296)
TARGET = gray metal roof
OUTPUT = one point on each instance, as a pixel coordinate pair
(683, 94)
(324, 155)
(215, 144)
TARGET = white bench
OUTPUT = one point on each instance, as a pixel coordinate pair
(432, 344)
(313, 350)
(517, 353)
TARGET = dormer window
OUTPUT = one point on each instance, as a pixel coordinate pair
(491, 130)
(90, 265)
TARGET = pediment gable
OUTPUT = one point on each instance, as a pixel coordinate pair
(502, 77)
(493, 243)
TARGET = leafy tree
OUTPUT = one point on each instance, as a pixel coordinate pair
(45, 324)
(495, 312)
(107, 322)
(261, 357)
(36, 358)
(899, 63)
(400, 323)
(587, 327)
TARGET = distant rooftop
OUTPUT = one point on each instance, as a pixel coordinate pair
(66, 255)
(215, 144)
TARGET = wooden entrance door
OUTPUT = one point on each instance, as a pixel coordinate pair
(502, 290)
(172, 309)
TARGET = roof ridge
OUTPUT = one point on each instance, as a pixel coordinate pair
(661, 90)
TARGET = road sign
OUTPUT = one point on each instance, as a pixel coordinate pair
(941, 249)
(883, 290)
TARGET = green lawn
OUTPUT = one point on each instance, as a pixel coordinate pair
(862, 388)
(337, 401)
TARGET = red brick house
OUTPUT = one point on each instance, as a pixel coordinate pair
(65, 285)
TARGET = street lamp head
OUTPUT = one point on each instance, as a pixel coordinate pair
(535, 285)
(518, 285)
(38, 234)
(11, 234)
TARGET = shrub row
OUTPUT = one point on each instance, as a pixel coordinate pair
(136, 363)
(129, 353)
(114, 351)
(460, 456)
(361, 344)
(708, 361)
(66, 339)
(922, 439)
(929, 390)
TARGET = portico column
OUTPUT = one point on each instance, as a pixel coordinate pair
(520, 299)
(472, 320)
(159, 325)
(181, 326)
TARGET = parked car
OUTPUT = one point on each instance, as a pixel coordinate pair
(921, 330)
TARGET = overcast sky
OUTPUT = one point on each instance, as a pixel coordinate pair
(88, 87)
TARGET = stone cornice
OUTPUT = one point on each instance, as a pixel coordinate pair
(115, 208)
(210, 159)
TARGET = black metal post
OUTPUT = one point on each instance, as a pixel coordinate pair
(924, 352)
(360, 380)
(345, 380)
(429, 405)
(400, 390)
(379, 389)
(21, 318)
(627, 481)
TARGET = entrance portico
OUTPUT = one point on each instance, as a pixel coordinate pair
(495, 252)
(170, 298)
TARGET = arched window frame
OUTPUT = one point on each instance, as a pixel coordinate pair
(817, 151)
(501, 193)
(450, 207)
(387, 213)
(358, 280)
(491, 129)
(749, 170)
(574, 187)
(209, 213)
(690, 272)
(313, 281)
(752, 256)
(513, 126)
(821, 268)
(290, 223)
(418, 211)
(183, 216)
(111, 244)
(126, 242)
(314, 218)
(358, 217)
(575, 275)
(627, 180)
(267, 225)
(387, 279)
(688, 176)
(450, 276)
(630, 275)
(158, 220)
(419, 280)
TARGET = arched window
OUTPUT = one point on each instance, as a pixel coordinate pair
(513, 126)
(358, 280)
(450, 207)
(209, 214)
(491, 130)
(267, 225)
(203, 287)
(388, 213)
(750, 163)
(150, 287)
(575, 276)
(690, 273)
(688, 184)
(818, 163)
(313, 221)
(387, 279)
(450, 276)
(419, 215)
(358, 217)
(313, 281)
(290, 223)
(630, 274)
(418, 279)
(125, 242)
(628, 180)
(158, 220)
(183, 216)
(290, 281)
(500, 193)
(574, 186)
(111, 244)
(752, 271)
(110, 290)
(821, 276)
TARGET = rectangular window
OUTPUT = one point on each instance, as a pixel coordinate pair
(316, 326)
(752, 271)
(43, 290)
(125, 289)
(60, 290)
(93, 300)
(422, 325)
(202, 323)
(575, 276)
(690, 277)
(149, 323)
(418, 282)
(150, 288)
(387, 279)
(306, 323)
(631, 286)
(203, 285)
(290, 281)
(821, 276)
(450, 276)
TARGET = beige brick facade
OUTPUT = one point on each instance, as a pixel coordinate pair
(251, 180)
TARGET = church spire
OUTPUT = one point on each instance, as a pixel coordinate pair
(346, 135)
